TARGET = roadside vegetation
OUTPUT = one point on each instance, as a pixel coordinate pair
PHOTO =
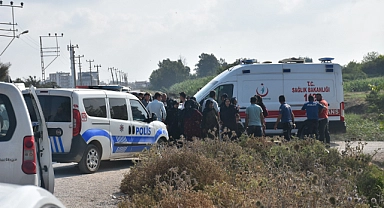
(254, 172)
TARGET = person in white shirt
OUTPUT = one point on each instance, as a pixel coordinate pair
(157, 107)
(183, 99)
(212, 95)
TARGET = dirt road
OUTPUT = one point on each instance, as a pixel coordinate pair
(100, 189)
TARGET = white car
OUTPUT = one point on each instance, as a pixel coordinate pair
(90, 125)
(12, 195)
(25, 156)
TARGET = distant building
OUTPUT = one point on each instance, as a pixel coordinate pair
(87, 79)
(141, 84)
(62, 79)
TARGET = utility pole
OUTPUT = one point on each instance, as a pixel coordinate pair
(48, 51)
(80, 76)
(71, 49)
(117, 78)
(98, 76)
(111, 69)
(90, 69)
(12, 24)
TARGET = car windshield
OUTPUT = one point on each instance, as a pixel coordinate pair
(205, 90)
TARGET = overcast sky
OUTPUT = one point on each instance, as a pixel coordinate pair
(134, 36)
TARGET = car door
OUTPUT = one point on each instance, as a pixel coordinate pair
(44, 155)
(120, 127)
(142, 132)
(57, 109)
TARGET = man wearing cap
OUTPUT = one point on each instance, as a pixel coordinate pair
(323, 120)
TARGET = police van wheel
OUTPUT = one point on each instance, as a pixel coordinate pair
(90, 162)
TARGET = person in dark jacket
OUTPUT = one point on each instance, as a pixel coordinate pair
(259, 101)
(172, 120)
(228, 118)
(192, 120)
(210, 123)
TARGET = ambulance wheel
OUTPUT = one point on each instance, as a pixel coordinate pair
(90, 162)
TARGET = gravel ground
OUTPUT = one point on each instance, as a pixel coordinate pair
(100, 189)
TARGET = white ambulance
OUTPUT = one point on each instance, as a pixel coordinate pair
(87, 126)
(292, 78)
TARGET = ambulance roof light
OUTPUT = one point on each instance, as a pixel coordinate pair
(326, 60)
(249, 61)
(292, 60)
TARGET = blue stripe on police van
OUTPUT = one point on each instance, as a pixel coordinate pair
(87, 135)
(132, 140)
(61, 145)
(138, 139)
(50, 139)
(54, 140)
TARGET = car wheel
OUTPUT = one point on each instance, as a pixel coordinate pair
(90, 162)
(161, 144)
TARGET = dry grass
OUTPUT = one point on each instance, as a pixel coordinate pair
(254, 172)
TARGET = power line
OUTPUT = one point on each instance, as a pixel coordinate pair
(90, 69)
(48, 51)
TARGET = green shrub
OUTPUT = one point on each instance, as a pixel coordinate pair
(362, 85)
(371, 183)
(190, 87)
(365, 129)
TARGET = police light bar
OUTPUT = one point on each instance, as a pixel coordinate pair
(326, 60)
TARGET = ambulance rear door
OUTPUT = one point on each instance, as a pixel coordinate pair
(264, 80)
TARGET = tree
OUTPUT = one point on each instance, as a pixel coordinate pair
(168, 73)
(373, 64)
(207, 66)
(371, 56)
(4, 69)
(224, 65)
(352, 71)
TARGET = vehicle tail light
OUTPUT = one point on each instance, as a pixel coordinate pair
(342, 111)
(29, 155)
(76, 122)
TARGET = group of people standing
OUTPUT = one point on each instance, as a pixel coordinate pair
(186, 117)
(317, 118)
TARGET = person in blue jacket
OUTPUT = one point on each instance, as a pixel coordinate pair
(313, 109)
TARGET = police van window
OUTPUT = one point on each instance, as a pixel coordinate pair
(31, 109)
(138, 111)
(55, 108)
(95, 107)
(7, 119)
(220, 90)
(118, 108)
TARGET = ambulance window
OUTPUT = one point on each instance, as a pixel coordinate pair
(138, 111)
(118, 108)
(55, 108)
(95, 107)
(7, 119)
(220, 90)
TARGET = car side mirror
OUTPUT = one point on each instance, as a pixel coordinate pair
(153, 117)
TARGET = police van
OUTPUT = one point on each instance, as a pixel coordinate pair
(87, 126)
(25, 156)
(293, 78)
